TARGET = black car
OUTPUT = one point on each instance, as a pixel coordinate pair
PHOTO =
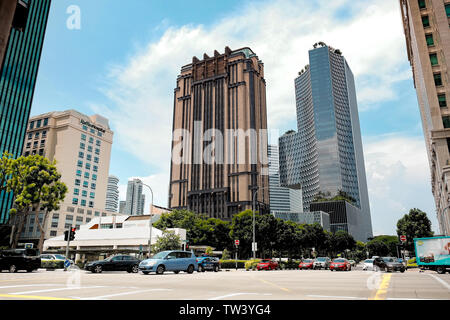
(14, 260)
(114, 263)
(208, 263)
(388, 264)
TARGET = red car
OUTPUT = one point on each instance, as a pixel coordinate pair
(306, 264)
(267, 264)
(340, 264)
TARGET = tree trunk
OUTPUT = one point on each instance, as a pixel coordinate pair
(42, 230)
(21, 216)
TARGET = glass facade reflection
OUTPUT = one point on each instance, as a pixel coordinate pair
(17, 81)
(326, 153)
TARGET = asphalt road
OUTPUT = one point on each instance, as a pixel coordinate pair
(226, 285)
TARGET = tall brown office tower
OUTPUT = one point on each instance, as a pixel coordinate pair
(219, 147)
(426, 25)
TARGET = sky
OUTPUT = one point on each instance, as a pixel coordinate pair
(123, 58)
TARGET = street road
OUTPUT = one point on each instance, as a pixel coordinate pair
(226, 285)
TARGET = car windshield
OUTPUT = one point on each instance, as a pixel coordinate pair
(60, 256)
(387, 259)
(265, 261)
(368, 261)
(321, 259)
(339, 260)
(307, 260)
(160, 255)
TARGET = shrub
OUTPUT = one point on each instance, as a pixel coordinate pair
(231, 264)
(292, 264)
(52, 264)
(251, 264)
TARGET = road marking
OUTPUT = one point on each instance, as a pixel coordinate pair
(31, 297)
(31, 285)
(335, 297)
(120, 294)
(382, 290)
(273, 284)
(59, 289)
(238, 294)
(445, 284)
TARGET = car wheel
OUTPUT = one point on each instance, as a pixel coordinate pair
(350, 268)
(145, 272)
(190, 269)
(98, 269)
(160, 269)
(135, 269)
(12, 268)
(176, 272)
(201, 268)
(440, 270)
(402, 270)
(216, 269)
(29, 270)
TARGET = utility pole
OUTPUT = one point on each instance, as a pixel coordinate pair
(67, 246)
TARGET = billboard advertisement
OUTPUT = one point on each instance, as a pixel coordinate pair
(433, 251)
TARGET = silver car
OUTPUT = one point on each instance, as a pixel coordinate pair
(368, 265)
(322, 263)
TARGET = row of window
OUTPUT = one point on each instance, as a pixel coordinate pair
(88, 157)
(86, 175)
(423, 5)
(85, 184)
(83, 193)
(34, 152)
(37, 134)
(85, 128)
(83, 202)
(39, 123)
(91, 140)
(89, 148)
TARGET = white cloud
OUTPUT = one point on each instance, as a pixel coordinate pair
(398, 179)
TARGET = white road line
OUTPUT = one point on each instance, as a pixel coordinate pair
(120, 294)
(32, 285)
(335, 297)
(59, 289)
(445, 284)
(237, 294)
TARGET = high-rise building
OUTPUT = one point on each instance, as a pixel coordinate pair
(281, 198)
(326, 153)
(81, 146)
(135, 199)
(112, 194)
(122, 207)
(22, 31)
(426, 25)
(220, 103)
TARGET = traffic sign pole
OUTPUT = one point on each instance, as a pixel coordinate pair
(67, 246)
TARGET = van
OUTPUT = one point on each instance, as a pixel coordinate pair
(14, 260)
(175, 261)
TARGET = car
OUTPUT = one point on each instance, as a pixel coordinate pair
(208, 263)
(322, 263)
(306, 264)
(54, 257)
(367, 265)
(388, 264)
(340, 264)
(267, 264)
(174, 260)
(114, 263)
(352, 262)
(14, 260)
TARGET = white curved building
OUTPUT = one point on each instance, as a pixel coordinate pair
(112, 194)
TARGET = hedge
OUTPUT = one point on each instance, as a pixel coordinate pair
(231, 264)
(52, 264)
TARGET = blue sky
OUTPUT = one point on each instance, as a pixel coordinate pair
(124, 60)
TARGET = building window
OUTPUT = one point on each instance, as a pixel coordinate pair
(41, 152)
(27, 154)
(84, 193)
(79, 219)
(448, 144)
(82, 145)
(88, 220)
(75, 201)
(88, 166)
(36, 135)
(35, 144)
(434, 59)
(86, 175)
(97, 213)
(92, 131)
(91, 204)
(89, 148)
(83, 137)
(98, 143)
(81, 155)
(53, 233)
(96, 158)
(94, 177)
(89, 212)
(76, 192)
(85, 184)
(77, 182)
(80, 164)
(85, 128)
(93, 186)
(425, 21)
(79, 210)
(78, 173)
(89, 157)
(69, 217)
(30, 135)
(95, 169)
(45, 122)
(31, 125)
(101, 134)
(67, 226)
(28, 145)
(92, 195)
(70, 209)
(83, 203)
(447, 9)
(442, 100)
(97, 151)
(38, 123)
(44, 134)
(91, 140)
(446, 122)
(437, 79)
(422, 4)
(54, 224)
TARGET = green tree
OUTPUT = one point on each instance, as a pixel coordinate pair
(209, 251)
(168, 241)
(415, 224)
(390, 242)
(5, 170)
(377, 248)
(225, 254)
(35, 182)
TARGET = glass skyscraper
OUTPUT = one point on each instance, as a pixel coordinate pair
(326, 153)
(18, 75)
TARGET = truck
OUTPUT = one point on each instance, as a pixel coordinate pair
(433, 253)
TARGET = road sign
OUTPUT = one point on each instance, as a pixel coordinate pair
(28, 246)
(66, 263)
(236, 242)
(403, 238)
(254, 246)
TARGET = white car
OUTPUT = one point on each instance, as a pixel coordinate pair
(54, 257)
(368, 265)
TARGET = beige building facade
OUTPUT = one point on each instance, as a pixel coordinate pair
(81, 146)
(215, 170)
(426, 26)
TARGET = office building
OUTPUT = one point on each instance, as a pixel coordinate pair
(112, 194)
(281, 199)
(326, 153)
(122, 206)
(220, 102)
(22, 31)
(426, 27)
(135, 199)
(311, 217)
(81, 146)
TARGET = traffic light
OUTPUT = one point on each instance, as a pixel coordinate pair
(66, 235)
(72, 234)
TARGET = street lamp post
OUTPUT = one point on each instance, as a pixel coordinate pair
(254, 208)
(151, 226)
